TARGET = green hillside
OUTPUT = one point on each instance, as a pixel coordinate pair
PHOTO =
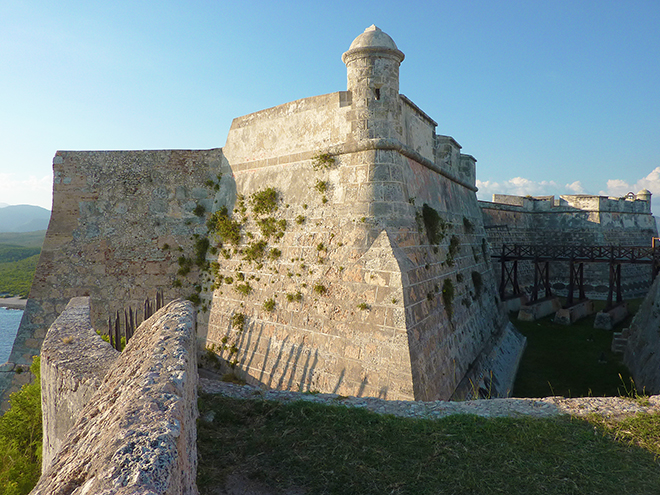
(19, 254)
(9, 253)
(16, 276)
(24, 239)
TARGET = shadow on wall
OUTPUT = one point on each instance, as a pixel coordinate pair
(287, 365)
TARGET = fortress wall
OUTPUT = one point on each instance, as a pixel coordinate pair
(600, 223)
(113, 213)
(381, 328)
(276, 134)
(642, 351)
(323, 341)
(418, 129)
(137, 433)
(447, 337)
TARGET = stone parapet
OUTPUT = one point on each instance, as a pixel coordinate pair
(74, 360)
(137, 434)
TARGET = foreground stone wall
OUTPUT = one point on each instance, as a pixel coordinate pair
(74, 361)
(573, 220)
(642, 351)
(137, 434)
(120, 221)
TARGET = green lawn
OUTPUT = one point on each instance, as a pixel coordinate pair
(310, 448)
(564, 360)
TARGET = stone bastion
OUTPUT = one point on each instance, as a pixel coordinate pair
(335, 243)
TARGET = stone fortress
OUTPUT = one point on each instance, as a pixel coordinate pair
(335, 244)
(367, 274)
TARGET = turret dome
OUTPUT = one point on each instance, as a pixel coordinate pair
(373, 39)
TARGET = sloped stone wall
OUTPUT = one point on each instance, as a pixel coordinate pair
(642, 352)
(137, 434)
(354, 304)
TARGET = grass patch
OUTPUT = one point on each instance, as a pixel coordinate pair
(564, 360)
(264, 202)
(323, 161)
(337, 450)
(435, 225)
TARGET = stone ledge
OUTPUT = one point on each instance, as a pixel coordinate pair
(545, 407)
(539, 309)
(606, 320)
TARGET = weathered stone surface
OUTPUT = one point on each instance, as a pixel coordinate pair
(642, 351)
(105, 239)
(361, 301)
(539, 309)
(137, 434)
(566, 316)
(606, 320)
(74, 361)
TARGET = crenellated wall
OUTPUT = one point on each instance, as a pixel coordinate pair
(573, 220)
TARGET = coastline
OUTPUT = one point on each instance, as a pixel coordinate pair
(13, 303)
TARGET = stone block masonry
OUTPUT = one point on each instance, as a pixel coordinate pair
(120, 221)
(642, 349)
(74, 361)
(367, 297)
(348, 252)
(137, 433)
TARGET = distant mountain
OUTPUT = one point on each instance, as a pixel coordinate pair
(2, 205)
(23, 218)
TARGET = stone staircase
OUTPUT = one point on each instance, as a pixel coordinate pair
(620, 340)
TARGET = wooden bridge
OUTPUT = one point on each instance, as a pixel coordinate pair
(576, 257)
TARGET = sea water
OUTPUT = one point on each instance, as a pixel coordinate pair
(10, 319)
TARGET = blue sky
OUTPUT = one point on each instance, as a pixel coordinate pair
(552, 97)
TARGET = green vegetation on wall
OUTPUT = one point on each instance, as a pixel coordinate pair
(448, 296)
(434, 224)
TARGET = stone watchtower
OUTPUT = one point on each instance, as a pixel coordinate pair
(372, 65)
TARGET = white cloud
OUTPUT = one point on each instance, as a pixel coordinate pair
(575, 187)
(518, 186)
(618, 187)
(31, 191)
